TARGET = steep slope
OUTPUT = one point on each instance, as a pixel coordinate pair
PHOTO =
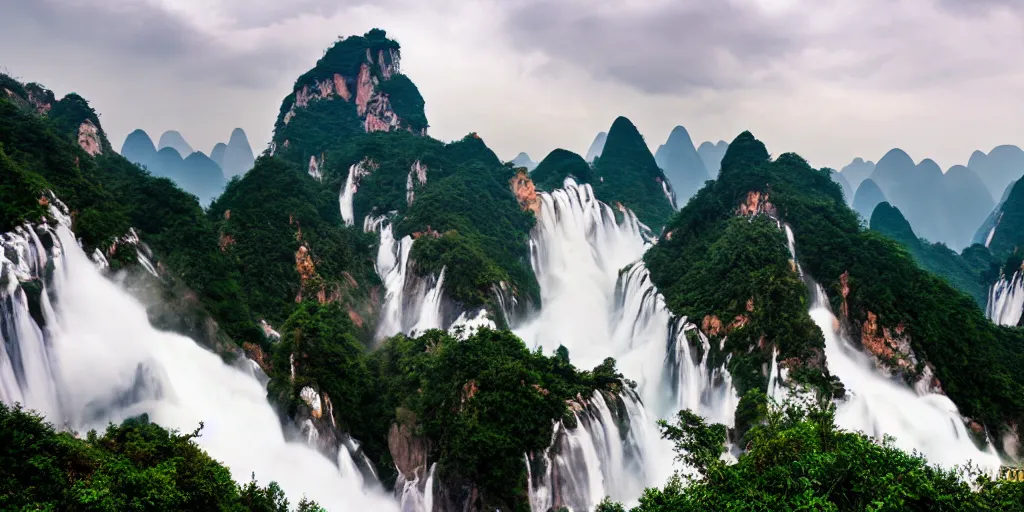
(969, 273)
(998, 167)
(356, 87)
(558, 165)
(597, 146)
(108, 197)
(627, 174)
(173, 139)
(711, 155)
(238, 157)
(217, 153)
(868, 196)
(682, 165)
(987, 229)
(1008, 235)
(523, 160)
(857, 171)
(911, 321)
(848, 189)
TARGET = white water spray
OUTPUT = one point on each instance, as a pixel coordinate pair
(96, 359)
(1006, 300)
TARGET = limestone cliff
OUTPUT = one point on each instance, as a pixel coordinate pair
(356, 87)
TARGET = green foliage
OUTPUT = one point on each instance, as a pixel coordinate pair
(108, 195)
(270, 213)
(134, 466)
(627, 173)
(799, 460)
(559, 164)
(346, 55)
(19, 194)
(976, 361)
(969, 272)
(480, 403)
(1007, 238)
(406, 101)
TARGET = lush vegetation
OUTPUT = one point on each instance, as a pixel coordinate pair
(107, 196)
(133, 466)
(323, 125)
(480, 403)
(798, 459)
(977, 363)
(551, 172)
(971, 272)
(734, 275)
(627, 173)
(272, 217)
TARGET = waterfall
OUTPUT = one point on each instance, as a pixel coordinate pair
(80, 350)
(879, 406)
(599, 301)
(411, 303)
(594, 458)
(1006, 300)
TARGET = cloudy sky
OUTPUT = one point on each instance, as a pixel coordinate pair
(829, 79)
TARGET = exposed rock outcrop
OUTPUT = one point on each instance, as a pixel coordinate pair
(89, 138)
(525, 192)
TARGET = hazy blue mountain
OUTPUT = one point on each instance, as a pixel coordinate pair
(941, 207)
(597, 146)
(682, 165)
(966, 202)
(847, 189)
(138, 148)
(999, 167)
(173, 139)
(217, 153)
(857, 171)
(238, 157)
(524, 160)
(196, 174)
(711, 155)
(868, 196)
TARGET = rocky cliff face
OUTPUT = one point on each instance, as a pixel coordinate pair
(358, 83)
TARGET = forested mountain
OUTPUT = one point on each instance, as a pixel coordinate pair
(395, 322)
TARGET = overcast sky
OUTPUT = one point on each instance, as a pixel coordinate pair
(829, 79)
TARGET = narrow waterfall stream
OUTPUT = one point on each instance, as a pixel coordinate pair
(95, 359)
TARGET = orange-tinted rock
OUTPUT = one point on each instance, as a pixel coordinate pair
(525, 192)
(341, 88)
(844, 280)
(883, 345)
(356, 319)
(254, 352)
(711, 325)
(225, 241)
(364, 89)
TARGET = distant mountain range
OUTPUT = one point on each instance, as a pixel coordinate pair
(173, 157)
(945, 207)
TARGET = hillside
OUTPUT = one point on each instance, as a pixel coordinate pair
(626, 173)
(868, 278)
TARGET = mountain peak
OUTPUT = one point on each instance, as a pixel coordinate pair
(745, 150)
(597, 146)
(357, 84)
(173, 139)
(896, 156)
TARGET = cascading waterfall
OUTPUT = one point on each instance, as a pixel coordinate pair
(411, 304)
(879, 406)
(578, 247)
(81, 351)
(1006, 300)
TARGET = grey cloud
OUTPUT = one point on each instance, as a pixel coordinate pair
(140, 34)
(677, 47)
(681, 46)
